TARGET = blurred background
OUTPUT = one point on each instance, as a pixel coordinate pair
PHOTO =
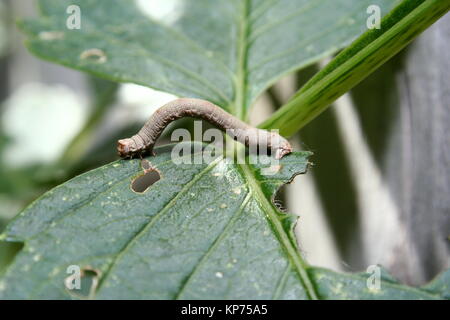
(379, 190)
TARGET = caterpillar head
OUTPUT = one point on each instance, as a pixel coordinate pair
(281, 151)
(126, 148)
(280, 145)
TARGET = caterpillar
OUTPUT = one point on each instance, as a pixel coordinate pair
(145, 139)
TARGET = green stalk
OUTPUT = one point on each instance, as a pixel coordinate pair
(355, 63)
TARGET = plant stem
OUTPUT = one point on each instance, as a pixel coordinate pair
(241, 75)
(354, 64)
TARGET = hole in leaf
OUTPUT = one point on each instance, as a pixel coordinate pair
(89, 282)
(94, 55)
(146, 165)
(143, 182)
(279, 199)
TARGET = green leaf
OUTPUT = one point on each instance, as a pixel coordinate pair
(333, 285)
(356, 62)
(226, 52)
(441, 285)
(205, 231)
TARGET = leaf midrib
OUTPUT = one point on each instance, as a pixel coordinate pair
(241, 73)
(280, 233)
(248, 175)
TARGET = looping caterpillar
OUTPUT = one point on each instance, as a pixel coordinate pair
(145, 139)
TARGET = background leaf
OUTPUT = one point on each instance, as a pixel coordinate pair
(227, 56)
(356, 62)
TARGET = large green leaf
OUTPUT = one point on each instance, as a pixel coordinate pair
(202, 231)
(225, 51)
(206, 230)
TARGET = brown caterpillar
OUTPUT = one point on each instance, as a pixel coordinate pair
(145, 139)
